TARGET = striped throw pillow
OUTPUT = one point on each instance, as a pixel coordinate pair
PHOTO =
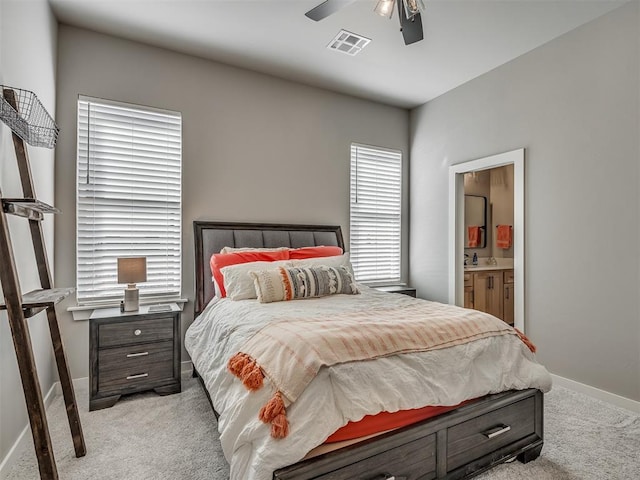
(276, 285)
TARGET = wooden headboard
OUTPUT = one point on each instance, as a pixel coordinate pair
(211, 237)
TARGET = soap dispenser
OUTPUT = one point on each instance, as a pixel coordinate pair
(474, 261)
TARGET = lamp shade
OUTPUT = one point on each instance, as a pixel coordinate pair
(132, 269)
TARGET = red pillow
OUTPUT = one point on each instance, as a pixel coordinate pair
(219, 260)
(314, 252)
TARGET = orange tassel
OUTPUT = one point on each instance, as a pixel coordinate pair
(272, 409)
(237, 363)
(526, 341)
(280, 426)
(286, 283)
(252, 376)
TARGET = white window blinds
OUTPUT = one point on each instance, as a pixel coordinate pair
(376, 208)
(129, 197)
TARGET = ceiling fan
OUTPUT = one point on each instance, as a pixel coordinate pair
(408, 13)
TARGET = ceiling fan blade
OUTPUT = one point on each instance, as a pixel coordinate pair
(326, 8)
(411, 27)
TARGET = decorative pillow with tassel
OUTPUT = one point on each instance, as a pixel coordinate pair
(276, 285)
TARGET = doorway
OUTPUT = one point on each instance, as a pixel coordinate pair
(496, 237)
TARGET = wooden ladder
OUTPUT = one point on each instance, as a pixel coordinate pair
(19, 307)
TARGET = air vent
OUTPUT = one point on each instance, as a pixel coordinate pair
(349, 43)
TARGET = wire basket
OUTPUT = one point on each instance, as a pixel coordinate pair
(26, 117)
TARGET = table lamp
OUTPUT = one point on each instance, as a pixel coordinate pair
(132, 270)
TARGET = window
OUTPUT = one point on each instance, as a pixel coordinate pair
(128, 198)
(376, 213)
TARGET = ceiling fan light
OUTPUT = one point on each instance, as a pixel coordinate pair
(412, 7)
(384, 8)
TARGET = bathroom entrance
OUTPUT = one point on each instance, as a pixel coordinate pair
(486, 254)
(488, 242)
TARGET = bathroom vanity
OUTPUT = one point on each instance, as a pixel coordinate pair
(490, 289)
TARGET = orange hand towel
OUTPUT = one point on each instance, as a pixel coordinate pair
(474, 236)
(504, 239)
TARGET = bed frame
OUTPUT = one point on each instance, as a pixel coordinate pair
(458, 444)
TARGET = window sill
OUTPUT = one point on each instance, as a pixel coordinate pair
(83, 312)
(384, 283)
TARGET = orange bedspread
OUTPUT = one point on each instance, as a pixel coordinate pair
(383, 421)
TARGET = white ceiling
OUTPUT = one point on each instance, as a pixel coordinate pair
(462, 39)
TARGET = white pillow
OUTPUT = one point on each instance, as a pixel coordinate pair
(335, 261)
(237, 282)
(268, 285)
(216, 288)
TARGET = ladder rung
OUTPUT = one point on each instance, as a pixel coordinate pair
(27, 207)
(37, 300)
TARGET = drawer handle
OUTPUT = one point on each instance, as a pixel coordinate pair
(141, 354)
(496, 431)
(133, 377)
(137, 332)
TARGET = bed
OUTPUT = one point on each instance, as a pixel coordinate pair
(458, 444)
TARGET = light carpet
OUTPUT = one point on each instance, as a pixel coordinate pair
(146, 436)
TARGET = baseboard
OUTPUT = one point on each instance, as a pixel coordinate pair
(594, 392)
(186, 367)
(79, 384)
(25, 437)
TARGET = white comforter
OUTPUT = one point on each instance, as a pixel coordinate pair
(344, 392)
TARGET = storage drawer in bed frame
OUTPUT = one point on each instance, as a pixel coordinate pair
(455, 445)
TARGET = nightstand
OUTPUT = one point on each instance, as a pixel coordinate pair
(131, 352)
(403, 289)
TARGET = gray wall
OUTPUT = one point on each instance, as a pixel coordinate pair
(255, 148)
(27, 61)
(574, 105)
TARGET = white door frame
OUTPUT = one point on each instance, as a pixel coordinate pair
(456, 226)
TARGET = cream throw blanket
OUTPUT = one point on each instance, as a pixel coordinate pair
(291, 351)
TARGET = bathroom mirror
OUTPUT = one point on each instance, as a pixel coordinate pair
(475, 221)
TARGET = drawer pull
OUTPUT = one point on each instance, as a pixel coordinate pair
(137, 332)
(133, 377)
(141, 354)
(497, 431)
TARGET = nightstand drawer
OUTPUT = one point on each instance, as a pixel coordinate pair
(482, 435)
(132, 352)
(136, 331)
(131, 366)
